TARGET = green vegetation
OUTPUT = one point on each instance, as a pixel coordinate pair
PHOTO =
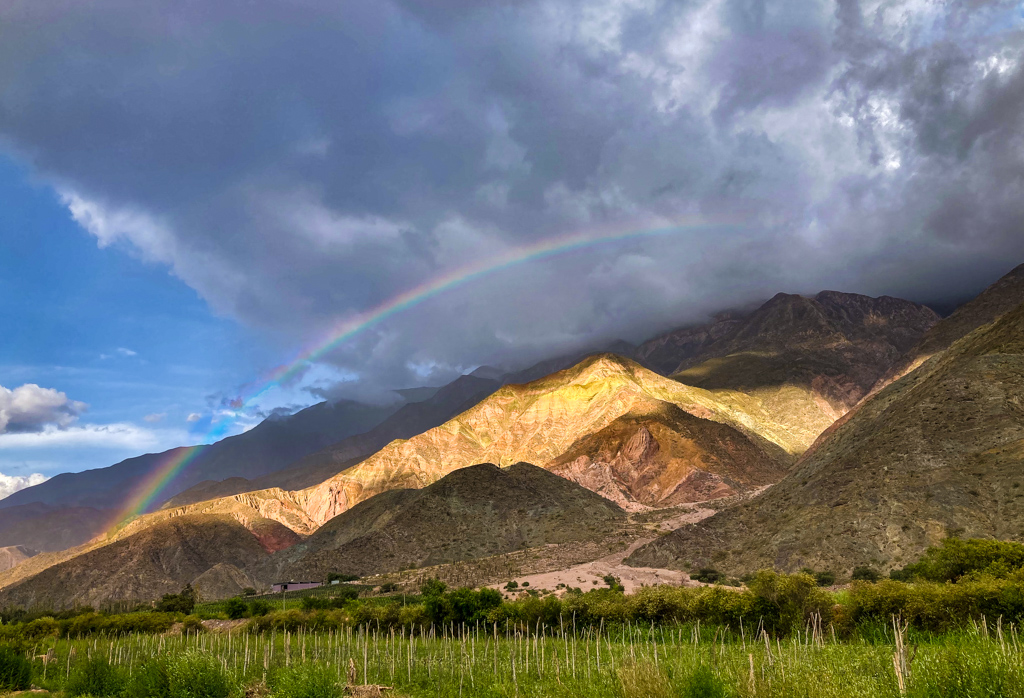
(15, 670)
(178, 603)
(781, 636)
(630, 661)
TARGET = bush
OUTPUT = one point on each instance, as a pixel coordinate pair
(336, 577)
(349, 593)
(863, 573)
(248, 591)
(236, 608)
(461, 606)
(433, 587)
(824, 579)
(956, 558)
(783, 601)
(192, 625)
(308, 681)
(388, 588)
(613, 582)
(178, 603)
(314, 603)
(95, 677)
(15, 670)
(259, 607)
(708, 575)
(512, 586)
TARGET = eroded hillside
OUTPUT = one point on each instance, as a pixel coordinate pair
(939, 452)
(473, 512)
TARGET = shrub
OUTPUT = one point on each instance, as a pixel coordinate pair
(236, 608)
(178, 603)
(433, 587)
(248, 591)
(259, 607)
(307, 681)
(956, 558)
(708, 575)
(15, 670)
(388, 588)
(903, 575)
(512, 586)
(95, 677)
(337, 577)
(348, 593)
(461, 606)
(824, 579)
(191, 625)
(313, 603)
(863, 573)
(783, 601)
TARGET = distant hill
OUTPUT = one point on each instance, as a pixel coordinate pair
(474, 512)
(269, 446)
(440, 406)
(157, 560)
(938, 452)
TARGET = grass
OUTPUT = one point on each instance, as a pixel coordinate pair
(686, 661)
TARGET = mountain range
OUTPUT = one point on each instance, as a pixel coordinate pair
(836, 429)
(937, 452)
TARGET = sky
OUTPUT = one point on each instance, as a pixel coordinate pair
(192, 193)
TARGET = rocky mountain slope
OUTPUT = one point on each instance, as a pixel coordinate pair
(473, 512)
(659, 456)
(999, 298)
(158, 560)
(14, 555)
(540, 421)
(428, 408)
(936, 453)
(810, 359)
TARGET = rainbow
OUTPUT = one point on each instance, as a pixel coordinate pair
(146, 493)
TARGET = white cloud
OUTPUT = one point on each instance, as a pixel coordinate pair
(30, 408)
(126, 436)
(126, 352)
(155, 417)
(194, 417)
(9, 484)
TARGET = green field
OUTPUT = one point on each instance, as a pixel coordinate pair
(633, 661)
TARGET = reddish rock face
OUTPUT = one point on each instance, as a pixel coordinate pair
(667, 457)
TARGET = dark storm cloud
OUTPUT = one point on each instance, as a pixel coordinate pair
(297, 162)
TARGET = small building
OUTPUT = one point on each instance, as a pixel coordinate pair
(278, 587)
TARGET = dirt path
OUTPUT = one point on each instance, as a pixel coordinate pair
(591, 574)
